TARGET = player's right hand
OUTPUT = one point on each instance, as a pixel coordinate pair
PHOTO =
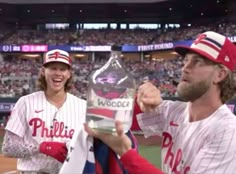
(148, 97)
(119, 142)
(57, 150)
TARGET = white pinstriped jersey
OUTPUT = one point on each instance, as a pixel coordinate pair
(37, 120)
(207, 146)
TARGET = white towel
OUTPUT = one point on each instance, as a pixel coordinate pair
(78, 153)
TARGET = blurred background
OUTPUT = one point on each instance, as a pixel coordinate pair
(148, 30)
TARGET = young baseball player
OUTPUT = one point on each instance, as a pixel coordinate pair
(42, 123)
(199, 133)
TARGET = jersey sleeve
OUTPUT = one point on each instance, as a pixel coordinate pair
(17, 122)
(153, 123)
(219, 154)
(15, 147)
(136, 164)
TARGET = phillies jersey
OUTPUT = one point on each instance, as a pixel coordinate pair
(204, 146)
(36, 120)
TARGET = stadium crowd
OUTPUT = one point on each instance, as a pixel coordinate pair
(111, 36)
(18, 75)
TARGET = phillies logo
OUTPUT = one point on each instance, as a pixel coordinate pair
(200, 38)
(171, 159)
(56, 55)
(57, 130)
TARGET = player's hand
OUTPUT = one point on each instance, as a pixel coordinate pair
(148, 97)
(56, 150)
(119, 143)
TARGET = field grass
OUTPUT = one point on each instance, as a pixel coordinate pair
(1, 144)
(151, 153)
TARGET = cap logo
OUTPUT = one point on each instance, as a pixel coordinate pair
(208, 45)
(200, 38)
(227, 59)
(57, 55)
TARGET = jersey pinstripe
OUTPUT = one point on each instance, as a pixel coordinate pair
(35, 120)
(205, 146)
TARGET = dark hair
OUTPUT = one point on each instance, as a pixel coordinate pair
(228, 87)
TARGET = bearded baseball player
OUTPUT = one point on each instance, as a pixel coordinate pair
(199, 135)
(43, 122)
(198, 132)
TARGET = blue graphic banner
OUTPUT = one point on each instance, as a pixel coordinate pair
(10, 48)
(6, 107)
(36, 48)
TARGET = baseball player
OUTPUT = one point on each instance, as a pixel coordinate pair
(42, 123)
(199, 132)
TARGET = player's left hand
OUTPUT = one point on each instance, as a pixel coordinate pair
(56, 150)
(119, 143)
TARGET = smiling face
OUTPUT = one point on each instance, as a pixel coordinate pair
(56, 76)
(199, 75)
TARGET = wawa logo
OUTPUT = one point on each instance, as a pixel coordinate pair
(58, 129)
(173, 159)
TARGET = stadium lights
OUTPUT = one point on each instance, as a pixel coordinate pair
(174, 53)
(31, 55)
(79, 55)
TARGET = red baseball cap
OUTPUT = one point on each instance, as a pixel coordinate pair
(57, 55)
(213, 46)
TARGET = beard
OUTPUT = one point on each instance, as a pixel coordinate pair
(191, 92)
